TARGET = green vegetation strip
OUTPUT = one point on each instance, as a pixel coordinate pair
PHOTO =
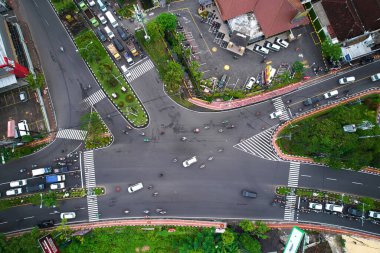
(322, 138)
(97, 133)
(110, 78)
(370, 203)
(64, 5)
(158, 239)
(18, 152)
(48, 198)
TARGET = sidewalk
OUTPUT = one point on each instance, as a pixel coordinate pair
(313, 112)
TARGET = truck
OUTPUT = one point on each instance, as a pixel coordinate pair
(41, 171)
(54, 178)
(91, 17)
(114, 51)
(35, 188)
(132, 48)
(82, 5)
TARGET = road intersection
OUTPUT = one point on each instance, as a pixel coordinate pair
(210, 193)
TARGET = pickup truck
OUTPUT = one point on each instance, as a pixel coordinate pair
(88, 13)
(41, 171)
(54, 178)
(114, 51)
(132, 48)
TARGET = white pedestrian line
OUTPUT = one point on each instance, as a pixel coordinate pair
(260, 145)
(94, 98)
(291, 199)
(279, 106)
(333, 179)
(92, 200)
(73, 134)
(138, 70)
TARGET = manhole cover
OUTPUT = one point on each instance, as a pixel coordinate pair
(117, 189)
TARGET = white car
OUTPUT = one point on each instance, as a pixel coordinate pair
(190, 161)
(57, 186)
(68, 215)
(261, 49)
(276, 114)
(126, 72)
(281, 42)
(345, 80)
(250, 83)
(316, 206)
(15, 191)
(102, 19)
(135, 187)
(374, 214)
(18, 183)
(330, 94)
(334, 208)
(91, 2)
(375, 77)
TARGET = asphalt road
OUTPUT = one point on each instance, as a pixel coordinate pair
(184, 192)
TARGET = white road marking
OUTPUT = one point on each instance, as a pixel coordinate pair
(333, 179)
(305, 176)
(5, 222)
(356, 183)
(26, 218)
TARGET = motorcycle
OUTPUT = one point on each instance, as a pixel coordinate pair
(126, 211)
(61, 48)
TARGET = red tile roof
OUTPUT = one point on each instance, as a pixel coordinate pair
(369, 13)
(274, 16)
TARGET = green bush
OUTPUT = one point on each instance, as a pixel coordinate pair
(129, 98)
(250, 244)
(120, 104)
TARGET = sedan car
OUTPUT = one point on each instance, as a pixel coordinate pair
(374, 214)
(311, 101)
(190, 161)
(260, 49)
(18, 183)
(57, 186)
(68, 215)
(249, 194)
(375, 77)
(250, 83)
(15, 191)
(46, 224)
(330, 94)
(275, 115)
(102, 19)
(281, 42)
(315, 206)
(354, 212)
(345, 80)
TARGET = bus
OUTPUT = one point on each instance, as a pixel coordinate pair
(111, 19)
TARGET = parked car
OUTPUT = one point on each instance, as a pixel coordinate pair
(249, 194)
(281, 42)
(345, 80)
(375, 77)
(311, 101)
(334, 208)
(46, 224)
(354, 212)
(330, 94)
(315, 206)
(190, 161)
(57, 186)
(100, 35)
(122, 33)
(102, 19)
(374, 214)
(68, 215)
(366, 60)
(18, 183)
(260, 49)
(118, 45)
(91, 2)
(272, 46)
(15, 191)
(222, 81)
(250, 83)
(276, 114)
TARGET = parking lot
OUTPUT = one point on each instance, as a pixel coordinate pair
(11, 107)
(209, 50)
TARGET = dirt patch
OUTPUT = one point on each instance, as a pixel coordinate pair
(143, 249)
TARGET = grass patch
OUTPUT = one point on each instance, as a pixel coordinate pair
(97, 133)
(110, 77)
(18, 152)
(283, 190)
(64, 5)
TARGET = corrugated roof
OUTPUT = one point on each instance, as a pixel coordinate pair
(274, 16)
(369, 13)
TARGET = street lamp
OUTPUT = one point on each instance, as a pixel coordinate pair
(84, 48)
(41, 200)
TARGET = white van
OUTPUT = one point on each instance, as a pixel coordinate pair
(102, 7)
(41, 171)
(110, 34)
(135, 187)
(334, 208)
(111, 19)
(23, 128)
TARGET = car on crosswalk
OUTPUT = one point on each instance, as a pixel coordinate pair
(126, 72)
(276, 114)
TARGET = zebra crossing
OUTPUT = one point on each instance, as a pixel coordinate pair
(94, 98)
(291, 199)
(92, 200)
(279, 106)
(73, 134)
(260, 145)
(138, 70)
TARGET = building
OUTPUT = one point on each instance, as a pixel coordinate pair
(249, 21)
(355, 24)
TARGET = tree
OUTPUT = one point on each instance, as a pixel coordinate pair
(64, 230)
(153, 31)
(36, 82)
(49, 199)
(298, 68)
(173, 76)
(194, 69)
(250, 244)
(331, 51)
(228, 237)
(260, 229)
(246, 225)
(167, 21)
